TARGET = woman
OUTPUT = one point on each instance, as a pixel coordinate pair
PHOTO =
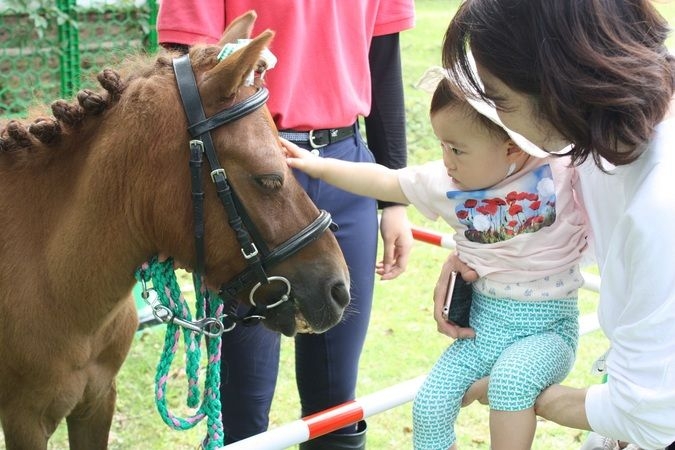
(596, 75)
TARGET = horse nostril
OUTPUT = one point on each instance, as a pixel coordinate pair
(340, 294)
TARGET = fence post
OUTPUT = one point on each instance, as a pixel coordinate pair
(152, 42)
(69, 44)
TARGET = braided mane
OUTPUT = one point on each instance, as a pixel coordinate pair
(24, 140)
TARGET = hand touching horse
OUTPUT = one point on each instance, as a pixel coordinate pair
(89, 195)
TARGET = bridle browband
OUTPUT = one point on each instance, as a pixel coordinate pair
(253, 248)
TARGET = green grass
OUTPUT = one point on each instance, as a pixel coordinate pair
(402, 341)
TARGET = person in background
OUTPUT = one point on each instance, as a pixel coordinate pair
(518, 224)
(337, 61)
(595, 80)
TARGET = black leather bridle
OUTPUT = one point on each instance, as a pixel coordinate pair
(253, 248)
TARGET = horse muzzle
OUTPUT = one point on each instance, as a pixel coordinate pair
(311, 309)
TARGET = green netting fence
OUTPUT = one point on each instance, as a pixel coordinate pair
(51, 49)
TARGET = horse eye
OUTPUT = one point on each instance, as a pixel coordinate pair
(270, 182)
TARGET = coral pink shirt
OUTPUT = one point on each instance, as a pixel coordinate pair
(322, 78)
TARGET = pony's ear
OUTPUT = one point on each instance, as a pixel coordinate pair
(222, 81)
(239, 28)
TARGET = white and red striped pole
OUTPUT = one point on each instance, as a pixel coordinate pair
(332, 419)
(432, 237)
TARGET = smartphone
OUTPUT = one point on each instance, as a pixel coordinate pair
(457, 304)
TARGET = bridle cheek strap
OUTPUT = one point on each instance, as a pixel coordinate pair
(253, 247)
(187, 87)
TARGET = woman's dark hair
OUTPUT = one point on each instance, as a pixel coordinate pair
(446, 96)
(598, 70)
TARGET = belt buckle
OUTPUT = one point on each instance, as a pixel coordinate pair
(311, 141)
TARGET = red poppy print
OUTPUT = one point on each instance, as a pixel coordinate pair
(493, 216)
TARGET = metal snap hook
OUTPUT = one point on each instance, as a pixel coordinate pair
(162, 313)
(269, 280)
(212, 327)
(233, 321)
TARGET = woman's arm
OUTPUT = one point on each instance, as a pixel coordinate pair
(385, 125)
(563, 405)
(385, 131)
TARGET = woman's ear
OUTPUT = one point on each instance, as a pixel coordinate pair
(513, 153)
(512, 149)
(515, 156)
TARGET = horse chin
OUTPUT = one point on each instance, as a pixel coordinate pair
(302, 326)
(283, 319)
(289, 321)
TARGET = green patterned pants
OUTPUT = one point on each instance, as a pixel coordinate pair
(523, 346)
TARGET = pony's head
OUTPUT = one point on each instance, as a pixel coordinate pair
(274, 211)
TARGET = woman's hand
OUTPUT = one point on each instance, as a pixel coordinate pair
(453, 263)
(397, 242)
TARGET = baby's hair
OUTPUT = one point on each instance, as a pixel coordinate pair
(446, 96)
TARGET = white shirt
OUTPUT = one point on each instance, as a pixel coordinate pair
(524, 236)
(632, 215)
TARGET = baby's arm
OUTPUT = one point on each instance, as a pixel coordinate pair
(367, 179)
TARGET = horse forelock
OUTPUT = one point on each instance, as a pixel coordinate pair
(68, 127)
(204, 56)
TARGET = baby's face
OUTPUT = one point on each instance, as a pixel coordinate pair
(474, 157)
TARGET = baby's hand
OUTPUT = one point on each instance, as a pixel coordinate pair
(301, 159)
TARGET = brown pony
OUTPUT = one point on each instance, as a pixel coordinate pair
(89, 195)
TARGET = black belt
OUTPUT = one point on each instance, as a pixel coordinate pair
(318, 138)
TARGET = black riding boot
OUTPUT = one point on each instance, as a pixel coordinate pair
(332, 441)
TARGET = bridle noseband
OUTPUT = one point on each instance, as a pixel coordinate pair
(253, 248)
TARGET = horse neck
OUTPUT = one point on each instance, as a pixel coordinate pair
(92, 246)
